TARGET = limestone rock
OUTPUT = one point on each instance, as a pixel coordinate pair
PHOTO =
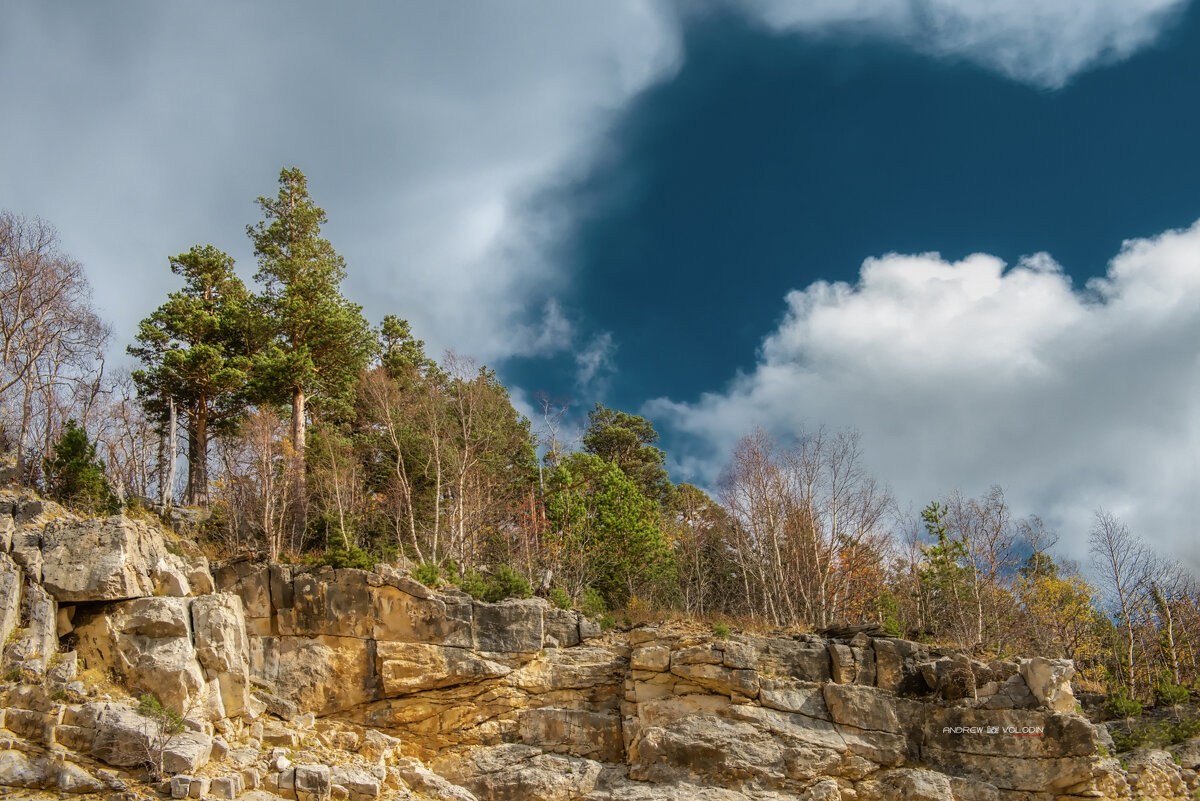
(842, 665)
(279, 707)
(222, 647)
(573, 731)
(322, 674)
(563, 626)
(21, 770)
(513, 626)
(186, 751)
(168, 575)
(425, 781)
(861, 707)
(312, 783)
(198, 576)
(897, 665)
(908, 785)
(148, 641)
(251, 582)
(408, 611)
(1050, 682)
(100, 560)
(10, 595)
(651, 657)
(122, 737)
(410, 667)
(517, 772)
(377, 746)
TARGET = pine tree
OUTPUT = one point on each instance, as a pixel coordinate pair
(76, 477)
(195, 348)
(320, 340)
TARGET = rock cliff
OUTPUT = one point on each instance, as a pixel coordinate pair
(310, 684)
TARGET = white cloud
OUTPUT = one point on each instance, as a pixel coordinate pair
(595, 365)
(140, 130)
(421, 127)
(1040, 42)
(963, 374)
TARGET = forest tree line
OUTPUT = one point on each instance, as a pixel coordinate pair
(308, 433)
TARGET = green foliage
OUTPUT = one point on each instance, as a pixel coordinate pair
(400, 353)
(427, 573)
(501, 583)
(889, 613)
(195, 350)
(510, 584)
(75, 476)
(1167, 693)
(612, 530)
(1158, 733)
(169, 721)
(319, 340)
(1120, 705)
(945, 577)
(607, 623)
(628, 441)
(592, 604)
(559, 597)
(344, 557)
(720, 631)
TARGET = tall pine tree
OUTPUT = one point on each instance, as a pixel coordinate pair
(195, 348)
(320, 341)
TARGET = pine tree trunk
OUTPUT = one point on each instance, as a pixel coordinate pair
(168, 486)
(299, 476)
(197, 485)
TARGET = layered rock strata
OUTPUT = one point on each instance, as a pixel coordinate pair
(315, 684)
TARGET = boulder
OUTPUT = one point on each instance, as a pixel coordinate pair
(515, 772)
(222, 647)
(513, 626)
(907, 785)
(861, 707)
(312, 783)
(428, 783)
(148, 642)
(10, 595)
(100, 560)
(123, 738)
(573, 731)
(185, 752)
(169, 577)
(21, 770)
(410, 667)
(1050, 682)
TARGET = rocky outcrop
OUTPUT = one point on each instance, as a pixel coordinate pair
(320, 684)
(100, 560)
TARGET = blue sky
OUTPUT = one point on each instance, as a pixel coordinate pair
(963, 229)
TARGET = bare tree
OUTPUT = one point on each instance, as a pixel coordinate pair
(805, 520)
(51, 340)
(1119, 558)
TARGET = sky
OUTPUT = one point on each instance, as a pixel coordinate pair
(968, 231)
